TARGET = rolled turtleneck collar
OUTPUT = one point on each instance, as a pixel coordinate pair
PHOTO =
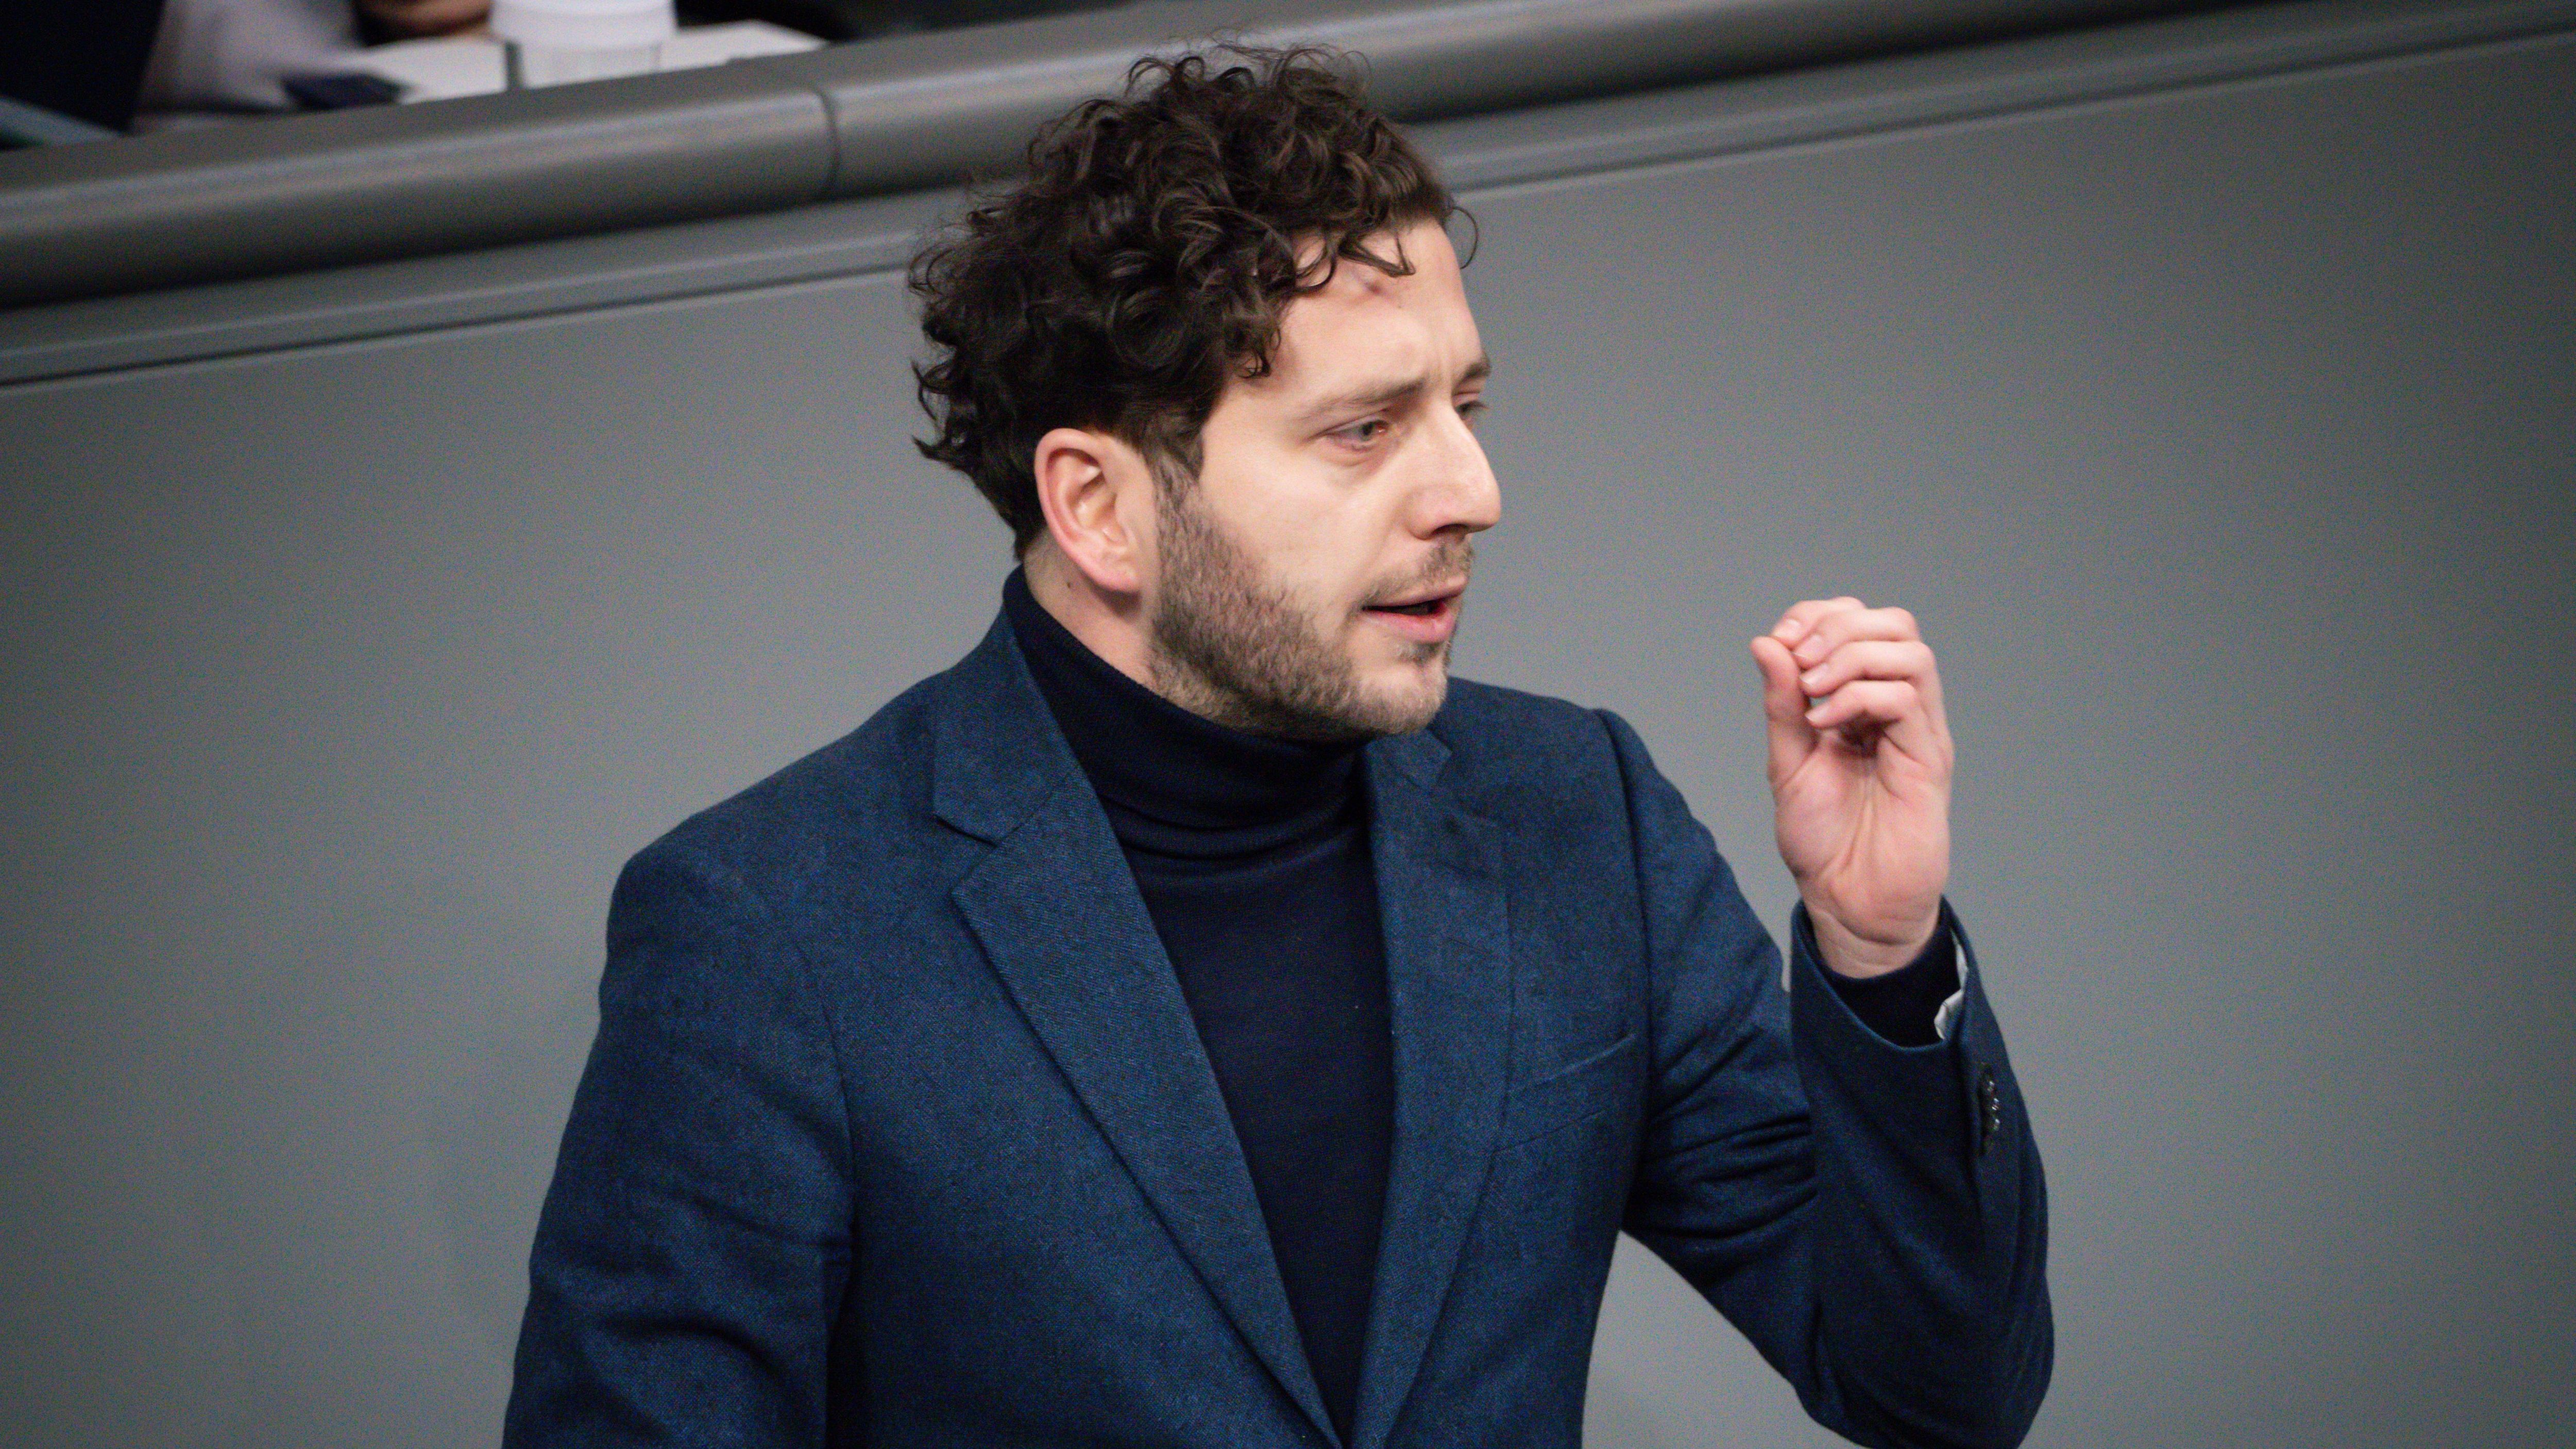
(1175, 783)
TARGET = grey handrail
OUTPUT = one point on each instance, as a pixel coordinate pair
(913, 111)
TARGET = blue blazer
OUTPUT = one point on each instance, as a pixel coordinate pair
(896, 1130)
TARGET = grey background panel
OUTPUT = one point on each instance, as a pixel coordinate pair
(302, 191)
(426, 293)
(2222, 438)
(2226, 445)
(337, 698)
(1763, 113)
(922, 109)
(910, 111)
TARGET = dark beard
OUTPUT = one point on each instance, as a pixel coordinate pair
(1224, 645)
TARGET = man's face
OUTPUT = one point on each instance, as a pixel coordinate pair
(1309, 583)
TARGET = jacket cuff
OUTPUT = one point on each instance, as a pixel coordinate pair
(1912, 1005)
(1959, 1087)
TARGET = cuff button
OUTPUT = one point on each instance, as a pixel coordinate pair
(1990, 1110)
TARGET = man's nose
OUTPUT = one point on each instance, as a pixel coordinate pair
(1458, 490)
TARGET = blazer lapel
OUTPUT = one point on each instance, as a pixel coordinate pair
(1057, 913)
(1448, 957)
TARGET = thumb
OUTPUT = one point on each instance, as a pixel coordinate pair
(1784, 703)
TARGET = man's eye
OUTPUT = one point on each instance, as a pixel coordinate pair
(1472, 409)
(1354, 433)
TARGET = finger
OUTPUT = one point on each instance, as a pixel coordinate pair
(1907, 659)
(1802, 617)
(1889, 709)
(1784, 705)
(1834, 630)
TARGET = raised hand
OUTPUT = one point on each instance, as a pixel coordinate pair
(1860, 777)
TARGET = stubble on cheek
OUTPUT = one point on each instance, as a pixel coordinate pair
(1228, 645)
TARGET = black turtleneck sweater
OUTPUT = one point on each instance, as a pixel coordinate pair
(1252, 855)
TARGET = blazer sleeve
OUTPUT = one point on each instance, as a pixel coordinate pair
(1871, 1216)
(695, 1242)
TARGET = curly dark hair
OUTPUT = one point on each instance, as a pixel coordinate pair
(1148, 255)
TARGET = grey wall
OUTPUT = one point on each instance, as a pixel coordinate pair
(2220, 429)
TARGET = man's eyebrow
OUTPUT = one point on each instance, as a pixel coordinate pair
(1379, 394)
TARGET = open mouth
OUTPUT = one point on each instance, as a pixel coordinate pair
(1424, 605)
(1424, 621)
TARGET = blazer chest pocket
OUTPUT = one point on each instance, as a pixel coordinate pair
(1592, 1084)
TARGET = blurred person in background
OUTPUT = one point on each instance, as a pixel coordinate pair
(143, 64)
(150, 64)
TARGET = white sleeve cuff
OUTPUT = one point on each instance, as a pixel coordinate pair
(1949, 1011)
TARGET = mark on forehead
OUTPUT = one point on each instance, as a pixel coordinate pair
(1375, 280)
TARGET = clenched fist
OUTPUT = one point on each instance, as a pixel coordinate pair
(1860, 777)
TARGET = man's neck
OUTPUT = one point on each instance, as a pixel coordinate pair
(1111, 626)
(1176, 782)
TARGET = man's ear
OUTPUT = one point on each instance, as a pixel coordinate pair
(1096, 493)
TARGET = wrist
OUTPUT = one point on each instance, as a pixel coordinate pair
(1860, 955)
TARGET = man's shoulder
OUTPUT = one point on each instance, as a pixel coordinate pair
(1474, 708)
(848, 810)
(1512, 746)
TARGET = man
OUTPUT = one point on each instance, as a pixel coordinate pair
(1196, 1020)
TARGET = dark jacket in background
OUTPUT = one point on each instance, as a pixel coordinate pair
(77, 58)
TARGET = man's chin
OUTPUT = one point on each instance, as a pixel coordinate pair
(1405, 705)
